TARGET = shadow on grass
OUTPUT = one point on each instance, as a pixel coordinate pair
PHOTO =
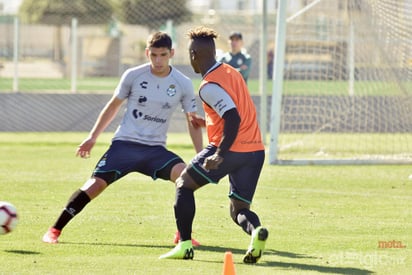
(117, 244)
(22, 252)
(318, 268)
(290, 265)
(279, 264)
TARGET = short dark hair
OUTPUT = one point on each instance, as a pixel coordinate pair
(203, 33)
(237, 35)
(159, 40)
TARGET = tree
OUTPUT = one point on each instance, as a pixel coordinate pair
(154, 13)
(61, 12)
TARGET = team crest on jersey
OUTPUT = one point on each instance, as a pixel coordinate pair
(171, 91)
(102, 162)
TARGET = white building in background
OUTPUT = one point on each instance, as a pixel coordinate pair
(9, 6)
(242, 5)
(230, 6)
(12, 6)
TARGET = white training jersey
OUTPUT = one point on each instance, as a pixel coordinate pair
(151, 101)
(217, 98)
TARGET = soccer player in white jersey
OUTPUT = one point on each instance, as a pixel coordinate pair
(152, 91)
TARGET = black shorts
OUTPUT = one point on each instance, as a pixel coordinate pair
(243, 169)
(124, 157)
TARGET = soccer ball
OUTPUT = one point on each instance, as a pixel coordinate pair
(8, 217)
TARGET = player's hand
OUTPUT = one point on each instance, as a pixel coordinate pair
(212, 162)
(197, 121)
(85, 148)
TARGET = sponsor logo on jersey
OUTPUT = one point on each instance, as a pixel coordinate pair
(137, 114)
(220, 105)
(142, 99)
(143, 84)
(154, 119)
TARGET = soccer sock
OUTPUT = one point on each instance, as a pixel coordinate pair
(76, 203)
(185, 209)
(248, 220)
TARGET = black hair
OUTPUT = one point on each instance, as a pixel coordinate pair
(202, 33)
(159, 40)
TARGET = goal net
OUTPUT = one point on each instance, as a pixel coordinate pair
(347, 89)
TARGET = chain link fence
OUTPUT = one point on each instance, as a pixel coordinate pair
(107, 44)
(80, 48)
(38, 56)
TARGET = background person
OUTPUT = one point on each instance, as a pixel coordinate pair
(238, 57)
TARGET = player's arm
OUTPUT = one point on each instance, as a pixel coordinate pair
(106, 116)
(194, 124)
(245, 68)
(230, 130)
(224, 106)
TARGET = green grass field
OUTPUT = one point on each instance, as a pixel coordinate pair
(108, 84)
(102, 85)
(322, 219)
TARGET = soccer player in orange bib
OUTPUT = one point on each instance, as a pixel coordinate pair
(235, 149)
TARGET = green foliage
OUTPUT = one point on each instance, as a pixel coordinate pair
(61, 12)
(322, 219)
(154, 13)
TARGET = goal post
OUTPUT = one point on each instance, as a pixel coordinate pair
(342, 91)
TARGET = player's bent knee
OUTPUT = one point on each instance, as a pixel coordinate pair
(186, 181)
(93, 187)
(177, 171)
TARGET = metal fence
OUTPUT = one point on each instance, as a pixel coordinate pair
(94, 46)
(107, 49)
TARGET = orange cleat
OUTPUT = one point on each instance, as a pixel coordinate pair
(177, 239)
(51, 236)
